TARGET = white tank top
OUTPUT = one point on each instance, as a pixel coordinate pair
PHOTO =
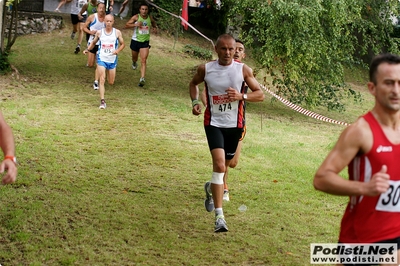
(95, 25)
(220, 112)
(76, 6)
(107, 45)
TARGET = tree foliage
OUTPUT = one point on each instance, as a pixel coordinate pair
(166, 21)
(305, 44)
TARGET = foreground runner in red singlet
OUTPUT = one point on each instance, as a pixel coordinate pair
(370, 148)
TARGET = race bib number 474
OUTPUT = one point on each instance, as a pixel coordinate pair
(390, 200)
(223, 104)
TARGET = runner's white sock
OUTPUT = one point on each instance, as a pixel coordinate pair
(219, 212)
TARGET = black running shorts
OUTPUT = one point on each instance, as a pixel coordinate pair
(136, 46)
(224, 138)
(75, 20)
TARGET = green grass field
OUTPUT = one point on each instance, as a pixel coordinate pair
(124, 185)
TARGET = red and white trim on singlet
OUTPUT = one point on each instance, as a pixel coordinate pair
(372, 219)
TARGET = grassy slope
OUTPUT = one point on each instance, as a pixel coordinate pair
(124, 186)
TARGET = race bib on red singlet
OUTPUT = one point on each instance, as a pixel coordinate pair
(390, 200)
(221, 103)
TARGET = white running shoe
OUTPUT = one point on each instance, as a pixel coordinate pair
(103, 104)
(220, 224)
(134, 65)
(95, 85)
(141, 82)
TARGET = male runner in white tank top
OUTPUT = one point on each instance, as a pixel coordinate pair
(94, 23)
(238, 56)
(110, 43)
(224, 118)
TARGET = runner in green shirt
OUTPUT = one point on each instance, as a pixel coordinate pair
(142, 24)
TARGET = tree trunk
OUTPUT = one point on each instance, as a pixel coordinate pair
(2, 23)
(13, 29)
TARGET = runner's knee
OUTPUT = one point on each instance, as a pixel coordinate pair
(233, 163)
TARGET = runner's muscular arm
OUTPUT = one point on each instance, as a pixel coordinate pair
(153, 25)
(83, 9)
(7, 145)
(87, 24)
(194, 89)
(354, 139)
(93, 43)
(131, 22)
(111, 5)
(121, 45)
(153, 22)
(6, 138)
(256, 95)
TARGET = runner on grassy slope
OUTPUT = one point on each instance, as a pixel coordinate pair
(224, 117)
(142, 24)
(110, 44)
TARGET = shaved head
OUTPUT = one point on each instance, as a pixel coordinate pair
(109, 17)
(224, 37)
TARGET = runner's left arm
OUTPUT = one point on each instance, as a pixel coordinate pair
(131, 22)
(111, 6)
(194, 89)
(87, 24)
(93, 43)
(256, 95)
(153, 25)
(83, 9)
(121, 45)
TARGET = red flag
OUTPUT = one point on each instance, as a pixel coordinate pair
(185, 14)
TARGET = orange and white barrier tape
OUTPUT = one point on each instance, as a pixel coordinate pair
(302, 110)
